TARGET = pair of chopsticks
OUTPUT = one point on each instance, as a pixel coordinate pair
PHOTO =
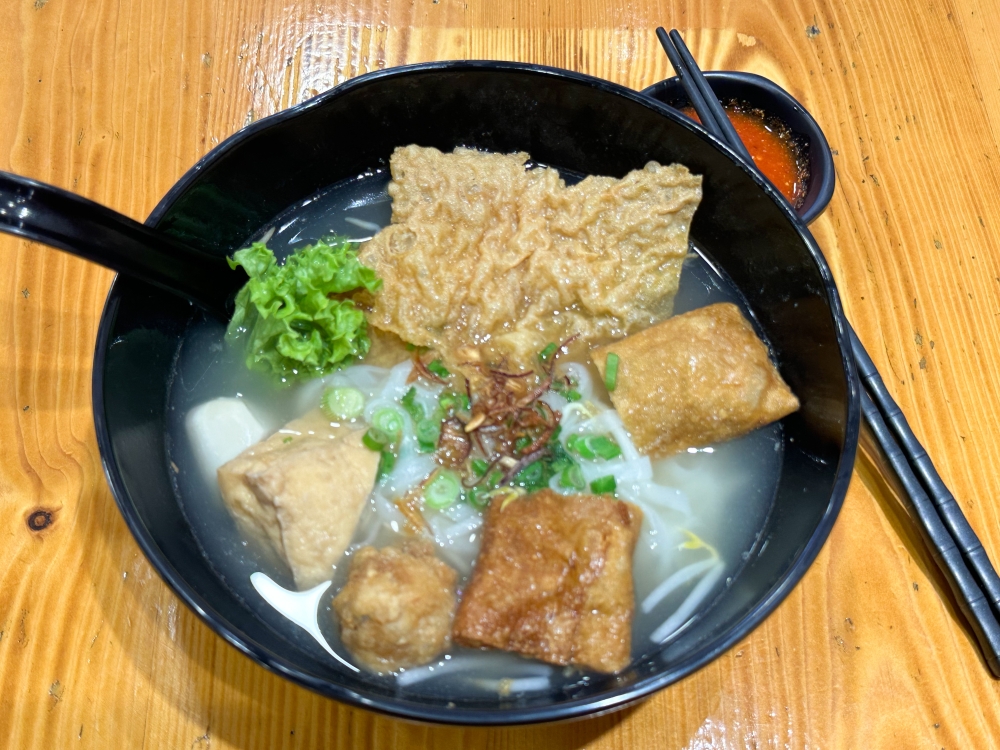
(953, 543)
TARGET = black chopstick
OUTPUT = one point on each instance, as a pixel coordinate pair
(953, 557)
(951, 513)
(698, 78)
(694, 94)
(948, 557)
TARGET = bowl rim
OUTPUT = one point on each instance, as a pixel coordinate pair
(828, 179)
(611, 700)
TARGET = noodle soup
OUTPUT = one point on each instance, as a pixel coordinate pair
(701, 509)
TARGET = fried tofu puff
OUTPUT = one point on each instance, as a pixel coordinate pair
(698, 378)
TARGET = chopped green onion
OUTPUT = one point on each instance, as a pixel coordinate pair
(572, 395)
(593, 447)
(376, 440)
(479, 466)
(386, 462)
(342, 403)
(428, 432)
(546, 354)
(578, 444)
(611, 371)
(604, 485)
(558, 464)
(451, 402)
(389, 421)
(532, 476)
(494, 478)
(437, 367)
(288, 439)
(443, 490)
(478, 497)
(558, 458)
(448, 401)
(408, 402)
(572, 478)
(603, 447)
(522, 442)
(411, 348)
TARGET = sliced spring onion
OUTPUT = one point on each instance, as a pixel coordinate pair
(522, 442)
(408, 402)
(604, 485)
(342, 403)
(546, 354)
(531, 476)
(428, 432)
(443, 490)
(603, 447)
(479, 496)
(449, 401)
(611, 371)
(479, 466)
(572, 478)
(572, 395)
(388, 421)
(558, 463)
(578, 444)
(386, 462)
(593, 447)
(376, 440)
(437, 367)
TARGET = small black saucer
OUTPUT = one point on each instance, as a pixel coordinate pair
(763, 93)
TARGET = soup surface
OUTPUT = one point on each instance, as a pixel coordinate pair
(701, 519)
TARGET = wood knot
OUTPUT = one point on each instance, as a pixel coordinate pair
(40, 519)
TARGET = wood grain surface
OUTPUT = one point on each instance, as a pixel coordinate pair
(115, 99)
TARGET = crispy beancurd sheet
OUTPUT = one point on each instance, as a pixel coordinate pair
(483, 252)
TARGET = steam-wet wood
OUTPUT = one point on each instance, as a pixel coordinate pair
(115, 99)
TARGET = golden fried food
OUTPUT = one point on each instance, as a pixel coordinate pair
(303, 490)
(697, 378)
(484, 252)
(397, 606)
(554, 581)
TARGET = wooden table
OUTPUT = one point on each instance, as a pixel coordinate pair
(115, 99)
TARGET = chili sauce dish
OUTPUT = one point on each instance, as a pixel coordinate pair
(783, 139)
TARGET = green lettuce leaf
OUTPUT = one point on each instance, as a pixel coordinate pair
(290, 318)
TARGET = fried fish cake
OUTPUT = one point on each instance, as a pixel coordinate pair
(554, 581)
(697, 378)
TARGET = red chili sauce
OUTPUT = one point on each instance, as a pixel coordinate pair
(773, 147)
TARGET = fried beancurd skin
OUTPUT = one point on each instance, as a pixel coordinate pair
(483, 251)
(554, 581)
(698, 378)
(396, 609)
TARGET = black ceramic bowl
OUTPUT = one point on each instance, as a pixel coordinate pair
(765, 94)
(560, 118)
